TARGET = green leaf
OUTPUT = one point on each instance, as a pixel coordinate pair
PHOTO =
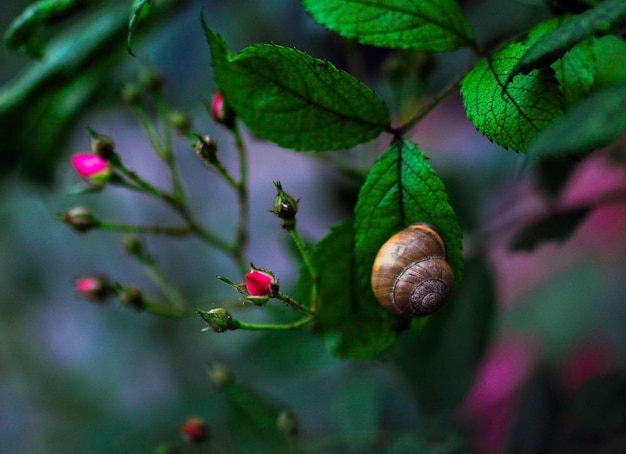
(559, 227)
(351, 321)
(140, 9)
(511, 116)
(297, 101)
(402, 189)
(591, 124)
(576, 70)
(606, 18)
(24, 33)
(435, 25)
(447, 352)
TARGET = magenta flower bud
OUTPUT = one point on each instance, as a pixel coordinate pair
(80, 219)
(261, 283)
(94, 288)
(92, 168)
(221, 112)
(194, 430)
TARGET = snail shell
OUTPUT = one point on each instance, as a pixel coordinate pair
(410, 276)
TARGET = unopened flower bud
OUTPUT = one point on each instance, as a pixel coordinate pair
(261, 283)
(218, 319)
(132, 245)
(218, 374)
(102, 145)
(131, 296)
(206, 149)
(287, 423)
(150, 79)
(285, 207)
(93, 168)
(80, 219)
(221, 112)
(180, 121)
(194, 430)
(131, 94)
(94, 288)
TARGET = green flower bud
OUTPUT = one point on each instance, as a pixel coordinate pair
(288, 423)
(217, 320)
(285, 207)
(80, 219)
(131, 296)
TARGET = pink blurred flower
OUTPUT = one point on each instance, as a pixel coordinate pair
(491, 403)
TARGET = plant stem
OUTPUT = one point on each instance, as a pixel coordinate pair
(241, 239)
(306, 257)
(452, 86)
(272, 326)
(293, 304)
(146, 229)
(170, 291)
(166, 311)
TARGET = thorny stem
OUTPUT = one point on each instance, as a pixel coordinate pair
(293, 304)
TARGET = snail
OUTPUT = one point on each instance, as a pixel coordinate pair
(410, 276)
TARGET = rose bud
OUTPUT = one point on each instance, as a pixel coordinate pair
(261, 283)
(194, 430)
(94, 288)
(221, 112)
(93, 168)
(285, 207)
(80, 219)
(218, 320)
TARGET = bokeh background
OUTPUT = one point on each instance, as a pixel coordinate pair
(81, 377)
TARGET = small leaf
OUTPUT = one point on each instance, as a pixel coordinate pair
(591, 124)
(511, 116)
(297, 101)
(402, 189)
(24, 32)
(559, 227)
(606, 18)
(436, 25)
(139, 10)
(350, 319)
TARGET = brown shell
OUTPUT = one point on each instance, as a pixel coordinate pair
(410, 276)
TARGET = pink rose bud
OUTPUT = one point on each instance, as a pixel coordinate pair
(220, 111)
(261, 283)
(92, 167)
(94, 288)
(194, 430)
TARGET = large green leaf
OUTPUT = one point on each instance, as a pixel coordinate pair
(402, 189)
(511, 115)
(592, 123)
(606, 18)
(435, 25)
(349, 317)
(24, 33)
(295, 100)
